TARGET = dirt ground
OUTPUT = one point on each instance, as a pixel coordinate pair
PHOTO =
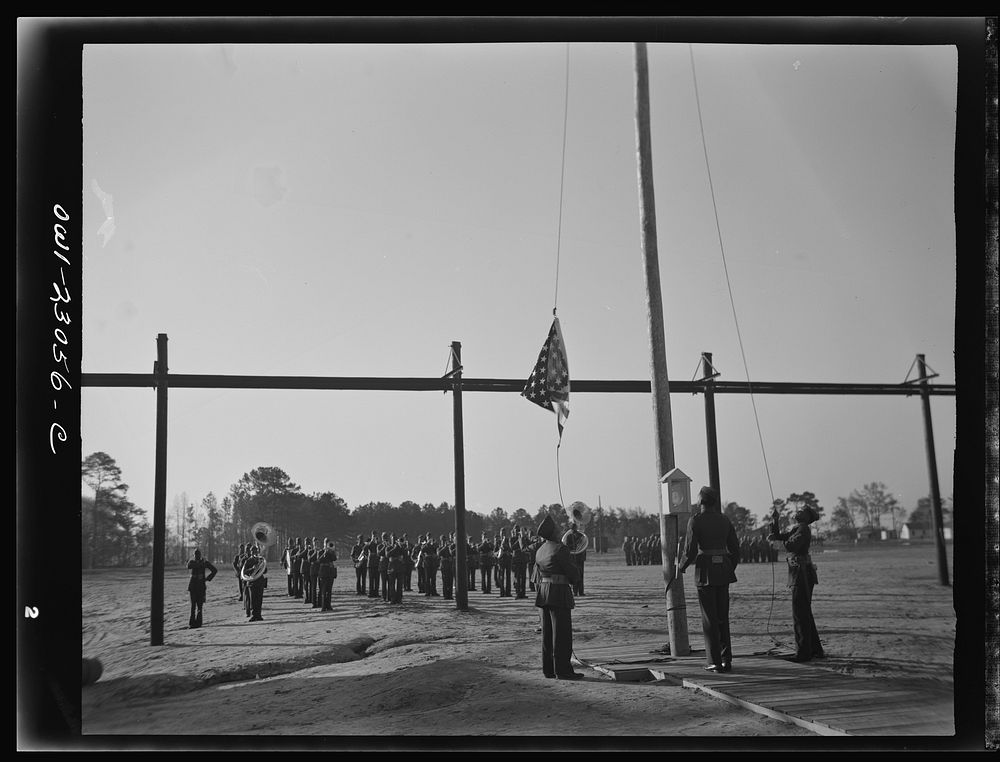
(414, 673)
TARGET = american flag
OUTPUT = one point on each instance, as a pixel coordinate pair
(548, 384)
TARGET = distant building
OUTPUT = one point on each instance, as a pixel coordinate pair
(920, 530)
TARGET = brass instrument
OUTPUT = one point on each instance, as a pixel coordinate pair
(577, 542)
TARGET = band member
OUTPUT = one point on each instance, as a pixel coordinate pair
(317, 551)
(554, 574)
(472, 562)
(486, 561)
(371, 556)
(327, 574)
(196, 586)
(383, 564)
(360, 565)
(418, 562)
(429, 559)
(447, 560)
(802, 578)
(238, 560)
(397, 571)
(578, 558)
(711, 545)
(286, 564)
(407, 547)
(504, 562)
(304, 561)
(296, 564)
(255, 586)
(496, 564)
(519, 566)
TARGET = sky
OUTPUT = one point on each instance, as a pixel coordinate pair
(352, 209)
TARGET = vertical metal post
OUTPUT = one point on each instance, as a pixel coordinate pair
(676, 607)
(936, 514)
(461, 576)
(159, 494)
(708, 373)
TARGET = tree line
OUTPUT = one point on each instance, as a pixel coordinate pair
(117, 533)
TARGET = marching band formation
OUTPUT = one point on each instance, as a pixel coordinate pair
(643, 551)
(384, 566)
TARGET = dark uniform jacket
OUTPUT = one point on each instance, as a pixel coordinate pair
(800, 565)
(326, 558)
(555, 573)
(198, 576)
(712, 546)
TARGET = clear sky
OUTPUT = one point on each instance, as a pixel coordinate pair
(350, 210)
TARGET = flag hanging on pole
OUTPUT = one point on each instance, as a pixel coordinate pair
(548, 384)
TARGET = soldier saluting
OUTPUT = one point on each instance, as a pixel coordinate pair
(554, 574)
(360, 566)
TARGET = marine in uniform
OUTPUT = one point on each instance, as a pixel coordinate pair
(327, 574)
(305, 556)
(317, 551)
(396, 554)
(196, 586)
(383, 564)
(802, 578)
(486, 562)
(407, 547)
(238, 560)
(554, 573)
(255, 587)
(295, 561)
(712, 547)
(472, 563)
(360, 567)
(446, 559)
(430, 562)
(519, 566)
(505, 557)
(371, 556)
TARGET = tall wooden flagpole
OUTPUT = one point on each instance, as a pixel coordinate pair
(676, 611)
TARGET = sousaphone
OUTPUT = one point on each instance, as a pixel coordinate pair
(577, 542)
(255, 566)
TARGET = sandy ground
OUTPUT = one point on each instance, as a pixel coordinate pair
(425, 669)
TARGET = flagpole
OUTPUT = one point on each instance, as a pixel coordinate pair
(461, 580)
(660, 387)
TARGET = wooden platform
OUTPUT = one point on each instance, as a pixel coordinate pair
(821, 700)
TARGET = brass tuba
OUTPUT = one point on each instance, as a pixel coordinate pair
(577, 542)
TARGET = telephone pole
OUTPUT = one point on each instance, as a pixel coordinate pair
(669, 531)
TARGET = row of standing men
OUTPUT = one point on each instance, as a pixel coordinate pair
(384, 564)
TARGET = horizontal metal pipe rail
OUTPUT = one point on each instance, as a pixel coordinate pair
(372, 383)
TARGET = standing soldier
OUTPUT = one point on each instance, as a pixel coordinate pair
(486, 561)
(626, 551)
(504, 562)
(397, 571)
(295, 565)
(305, 549)
(429, 559)
(286, 564)
(447, 562)
(238, 560)
(317, 551)
(327, 574)
(383, 565)
(472, 561)
(196, 586)
(371, 556)
(407, 547)
(254, 573)
(519, 565)
(555, 572)
(358, 558)
(418, 562)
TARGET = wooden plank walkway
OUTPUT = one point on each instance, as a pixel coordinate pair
(821, 700)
